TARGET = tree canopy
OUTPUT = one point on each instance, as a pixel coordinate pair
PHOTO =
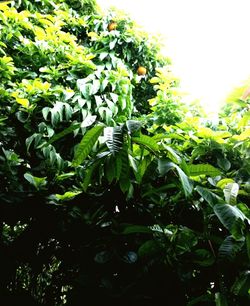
(112, 189)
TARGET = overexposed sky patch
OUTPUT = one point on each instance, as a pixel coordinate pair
(207, 40)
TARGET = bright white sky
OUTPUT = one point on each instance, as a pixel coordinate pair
(207, 40)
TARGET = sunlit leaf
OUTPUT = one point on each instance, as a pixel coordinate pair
(222, 183)
(243, 136)
(37, 182)
(203, 169)
(89, 120)
(86, 145)
(171, 153)
(146, 141)
(68, 195)
(24, 102)
(230, 192)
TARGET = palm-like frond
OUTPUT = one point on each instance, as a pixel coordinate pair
(114, 138)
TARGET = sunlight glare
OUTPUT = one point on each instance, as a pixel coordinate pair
(208, 42)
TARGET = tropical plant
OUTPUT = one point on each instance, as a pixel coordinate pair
(110, 192)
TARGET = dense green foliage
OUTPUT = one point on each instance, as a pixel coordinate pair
(111, 192)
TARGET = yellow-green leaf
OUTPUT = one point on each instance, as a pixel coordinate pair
(24, 102)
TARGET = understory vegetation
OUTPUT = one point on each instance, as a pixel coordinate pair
(112, 189)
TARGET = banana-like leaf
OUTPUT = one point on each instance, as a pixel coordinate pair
(113, 168)
(110, 170)
(85, 146)
(185, 182)
(147, 142)
(142, 167)
(164, 166)
(232, 218)
(133, 126)
(172, 154)
(114, 139)
(210, 197)
(229, 248)
(118, 166)
(230, 192)
(203, 169)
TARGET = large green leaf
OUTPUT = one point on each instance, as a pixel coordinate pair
(230, 192)
(142, 167)
(110, 169)
(185, 182)
(232, 218)
(85, 146)
(171, 154)
(113, 168)
(203, 169)
(114, 139)
(164, 166)
(133, 126)
(90, 171)
(124, 179)
(229, 248)
(118, 166)
(223, 182)
(147, 142)
(210, 197)
(224, 163)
